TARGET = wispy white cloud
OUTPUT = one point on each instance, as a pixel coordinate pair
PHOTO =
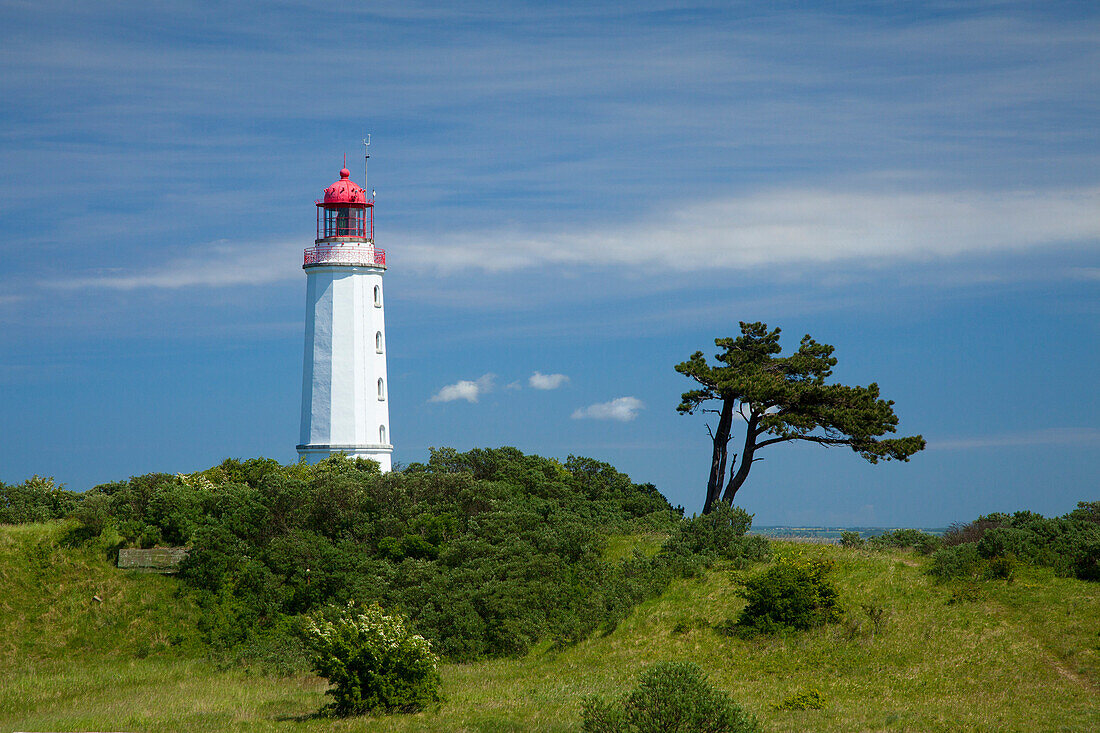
(1085, 273)
(214, 265)
(622, 409)
(538, 380)
(465, 389)
(781, 228)
(1050, 436)
(796, 226)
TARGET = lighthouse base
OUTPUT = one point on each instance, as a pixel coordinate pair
(317, 453)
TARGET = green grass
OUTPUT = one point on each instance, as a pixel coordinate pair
(619, 547)
(1020, 656)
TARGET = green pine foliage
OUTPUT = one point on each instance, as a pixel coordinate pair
(671, 697)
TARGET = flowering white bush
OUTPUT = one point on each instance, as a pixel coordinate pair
(373, 661)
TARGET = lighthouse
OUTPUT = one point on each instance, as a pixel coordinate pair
(345, 398)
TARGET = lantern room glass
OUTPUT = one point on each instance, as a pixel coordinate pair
(345, 221)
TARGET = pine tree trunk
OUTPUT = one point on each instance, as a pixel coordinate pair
(721, 439)
(736, 480)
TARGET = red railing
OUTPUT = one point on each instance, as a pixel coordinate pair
(365, 255)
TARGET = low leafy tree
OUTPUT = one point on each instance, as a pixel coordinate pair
(373, 661)
(810, 699)
(792, 595)
(671, 697)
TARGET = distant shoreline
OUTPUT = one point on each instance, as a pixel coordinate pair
(830, 535)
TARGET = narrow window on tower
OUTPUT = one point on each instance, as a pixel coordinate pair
(382, 434)
(378, 342)
(377, 296)
(381, 389)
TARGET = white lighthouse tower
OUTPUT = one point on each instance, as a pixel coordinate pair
(345, 399)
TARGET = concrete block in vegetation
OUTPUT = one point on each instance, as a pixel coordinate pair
(156, 560)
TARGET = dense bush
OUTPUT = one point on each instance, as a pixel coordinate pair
(922, 542)
(1002, 567)
(1086, 562)
(959, 561)
(671, 697)
(851, 539)
(1086, 511)
(963, 533)
(488, 552)
(793, 594)
(35, 500)
(1068, 544)
(721, 534)
(373, 662)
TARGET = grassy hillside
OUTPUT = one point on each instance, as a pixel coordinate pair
(49, 612)
(989, 656)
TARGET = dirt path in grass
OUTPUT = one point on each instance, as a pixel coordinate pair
(1044, 653)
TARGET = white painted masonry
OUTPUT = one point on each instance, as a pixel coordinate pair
(343, 408)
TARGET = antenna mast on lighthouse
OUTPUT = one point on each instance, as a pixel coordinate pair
(366, 159)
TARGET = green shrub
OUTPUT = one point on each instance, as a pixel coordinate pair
(685, 625)
(810, 699)
(1058, 542)
(1086, 511)
(491, 551)
(1086, 563)
(791, 595)
(671, 697)
(851, 539)
(1003, 541)
(963, 533)
(1000, 568)
(35, 500)
(720, 535)
(922, 542)
(373, 662)
(965, 592)
(957, 562)
(874, 624)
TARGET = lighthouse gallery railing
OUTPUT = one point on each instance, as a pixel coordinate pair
(366, 255)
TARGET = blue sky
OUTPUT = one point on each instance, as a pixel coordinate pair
(586, 189)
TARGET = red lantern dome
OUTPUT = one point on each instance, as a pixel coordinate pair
(343, 213)
(345, 191)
